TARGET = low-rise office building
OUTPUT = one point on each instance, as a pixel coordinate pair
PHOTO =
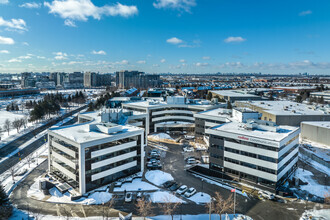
(88, 156)
(286, 112)
(257, 152)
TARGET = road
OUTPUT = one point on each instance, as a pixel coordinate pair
(5, 165)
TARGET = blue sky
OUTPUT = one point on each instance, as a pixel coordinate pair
(159, 36)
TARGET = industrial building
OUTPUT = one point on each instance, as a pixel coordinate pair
(287, 112)
(316, 131)
(234, 95)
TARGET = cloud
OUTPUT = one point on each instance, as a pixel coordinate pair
(202, 64)
(13, 24)
(61, 56)
(4, 51)
(81, 10)
(25, 43)
(206, 58)
(182, 61)
(4, 2)
(69, 23)
(123, 62)
(14, 60)
(174, 40)
(30, 5)
(101, 52)
(6, 40)
(141, 62)
(155, 65)
(234, 40)
(25, 57)
(162, 60)
(180, 5)
(304, 13)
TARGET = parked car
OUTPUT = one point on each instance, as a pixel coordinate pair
(128, 197)
(191, 161)
(191, 191)
(174, 187)
(266, 195)
(168, 184)
(118, 184)
(139, 196)
(182, 189)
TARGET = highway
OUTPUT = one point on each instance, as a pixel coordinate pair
(5, 165)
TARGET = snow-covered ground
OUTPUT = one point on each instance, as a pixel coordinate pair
(164, 197)
(202, 217)
(320, 150)
(312, 187)
(158, 177)
(160, 136)
(322, 214)
(200, 198)
(136, 185)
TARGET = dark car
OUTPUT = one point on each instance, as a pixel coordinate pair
(174, 187)
(168, 184)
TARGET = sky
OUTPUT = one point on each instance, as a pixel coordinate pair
(160, 36)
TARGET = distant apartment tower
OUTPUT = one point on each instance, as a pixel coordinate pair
(128, 79)
(92, 79)
(27, 80)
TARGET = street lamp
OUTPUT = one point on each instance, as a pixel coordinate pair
(210, 207)
(202, 187)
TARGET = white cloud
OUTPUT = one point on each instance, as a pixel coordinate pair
(15, 24)
(304, 13)
(181, 5)
(234, 39)
(61, 56)
(24, 57)
(155, 65)
(41, 57)
(123, 62)
(201, 64)
(174, 40)
(101, 52)
(30, 5)
(25, 43)
(6, 40)
(69, 23)
(14, 60)
(4, 51)
(206, 58)
(141, 62)
(182, 61)
(4, 2)
(162, 60)
(81, 10)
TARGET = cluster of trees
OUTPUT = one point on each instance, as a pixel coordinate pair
(17, 124)
(12, 107)
(101, 101)
(51, 104)
(303, 96)
(6, 208)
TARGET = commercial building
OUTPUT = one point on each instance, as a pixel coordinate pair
(286, 112)
(257, 152)
(316, 131)
(325, 95)
(177, 113)
(234, 95)
(296, 89)
(88, 156)
(128, 79)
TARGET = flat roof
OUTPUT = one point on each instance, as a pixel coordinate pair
(220, 112)
(322, 124)
(295, 87)
(233, 93)
(157, 103)
(287, 108)
(235, 127)
(81, 133)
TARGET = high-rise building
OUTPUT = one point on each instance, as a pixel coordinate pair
(90, 79)
(128, 79)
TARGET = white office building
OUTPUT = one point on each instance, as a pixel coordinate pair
(90, 155)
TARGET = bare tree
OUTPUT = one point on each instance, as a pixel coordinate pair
(65, 213)
(37, 214)
(107, 208)
(7, 126)
(144, 208)
(17, 124)
(168, 206)
(12, 173)
(29, 159)
(220, 205)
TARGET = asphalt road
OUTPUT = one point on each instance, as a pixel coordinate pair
(5, 165)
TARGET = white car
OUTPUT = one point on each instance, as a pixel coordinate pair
(128, 197)
(191, 191)
(266, 195)
(191, 161)
(182, 189)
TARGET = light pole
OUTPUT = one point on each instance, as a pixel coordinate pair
(210, 207)
(306, 202)
(202, 187)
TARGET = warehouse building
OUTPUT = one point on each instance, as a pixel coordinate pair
(234, 95)
(316, 131)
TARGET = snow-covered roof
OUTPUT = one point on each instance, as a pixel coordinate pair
(233, 93)
(322, 124)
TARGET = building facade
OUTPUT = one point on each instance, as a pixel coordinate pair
(128, 79)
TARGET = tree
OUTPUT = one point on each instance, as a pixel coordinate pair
(17, 124)
(299, 99)
(229, 106)
(7, 126)
(29, 159)
(5, 206)
(144, 208)
(12, 173)
(220, 205)
(107, 209)
(209, 96)
(169, 207)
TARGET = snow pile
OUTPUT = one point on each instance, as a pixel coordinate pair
(136, 185)
(316, 214)
(58, 197)
(34, 191)
(312, 187)
(97, 198)
(200, 198)
(164, 197)
(160, 136)
(158, 177)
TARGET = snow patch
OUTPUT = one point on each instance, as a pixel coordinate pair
(158, 177)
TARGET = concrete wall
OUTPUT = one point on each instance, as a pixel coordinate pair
(314, 133)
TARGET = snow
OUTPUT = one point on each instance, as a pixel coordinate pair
(200, 198)
(34, 191)
(312, 187)
(135, 185)
(158, 177)
(320, 150)
(322, 214)
(202, 217)
(164, 197)
(160, 136)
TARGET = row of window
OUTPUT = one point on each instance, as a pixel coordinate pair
(289, 142)
(287, 163)
(288, 152)
(249, 154)
(253, 166)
